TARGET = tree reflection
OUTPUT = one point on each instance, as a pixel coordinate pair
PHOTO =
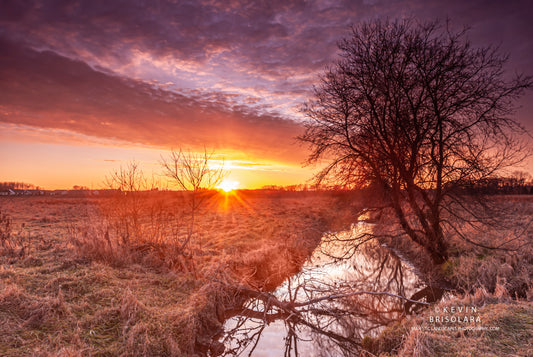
(338, 298)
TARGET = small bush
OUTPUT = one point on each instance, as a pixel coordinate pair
(5, 230)
(14, 245)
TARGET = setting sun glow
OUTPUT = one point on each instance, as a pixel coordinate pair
(228, 186)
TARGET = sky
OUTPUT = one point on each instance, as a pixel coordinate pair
(88, 86)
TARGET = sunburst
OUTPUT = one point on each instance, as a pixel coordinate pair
(228, 186)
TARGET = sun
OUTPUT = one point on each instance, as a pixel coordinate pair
(228, 186)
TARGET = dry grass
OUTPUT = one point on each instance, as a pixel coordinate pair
(512, 334)
(83, 289)
(498, 282)
(473, 267)
(505, 329)
(94, 309)
(93, 281)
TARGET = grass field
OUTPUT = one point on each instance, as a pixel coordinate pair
(100, 277)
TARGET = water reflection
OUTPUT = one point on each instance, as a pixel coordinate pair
(351, 287)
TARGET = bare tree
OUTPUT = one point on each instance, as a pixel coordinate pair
(416, 111)
(195, 174)
(128, 179)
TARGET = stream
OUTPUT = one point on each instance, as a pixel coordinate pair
(331, 318)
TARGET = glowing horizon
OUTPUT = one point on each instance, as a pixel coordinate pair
(55, 162)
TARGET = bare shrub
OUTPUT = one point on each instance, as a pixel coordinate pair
(129, 182)
(194, 174)
(137, 224)
(100, 239)
(94, 241)
(5, 231)
(144, 225)
(17, 245)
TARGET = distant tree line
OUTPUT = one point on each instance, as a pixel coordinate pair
(4, 186)
(512, 185)
(80, 188)
(300, 187)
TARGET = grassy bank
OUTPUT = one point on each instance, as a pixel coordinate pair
(495, 281)
(501, 327)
